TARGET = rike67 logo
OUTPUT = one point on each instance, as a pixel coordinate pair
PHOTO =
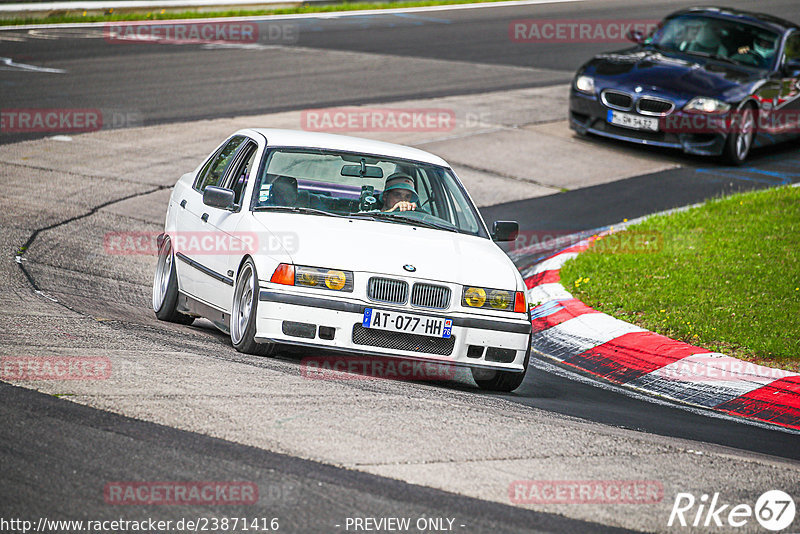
(774, 510)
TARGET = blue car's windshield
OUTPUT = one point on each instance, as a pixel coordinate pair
(733, 41)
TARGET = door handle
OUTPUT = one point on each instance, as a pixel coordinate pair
(183, 203)
(205, 217)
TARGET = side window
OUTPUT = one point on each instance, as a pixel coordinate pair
(214, 170)
(244, 168)
(792, 51)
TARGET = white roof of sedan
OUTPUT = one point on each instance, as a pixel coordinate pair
(297, 138)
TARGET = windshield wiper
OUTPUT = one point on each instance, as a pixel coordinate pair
(297, 209)
(405, 220)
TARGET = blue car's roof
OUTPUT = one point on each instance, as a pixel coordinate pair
(760, 19)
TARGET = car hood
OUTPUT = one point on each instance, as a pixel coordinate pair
(385, 248)
(681, 76)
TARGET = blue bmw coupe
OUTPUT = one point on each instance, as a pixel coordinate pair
(708, 81)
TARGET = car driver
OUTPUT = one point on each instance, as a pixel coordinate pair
(399, 193)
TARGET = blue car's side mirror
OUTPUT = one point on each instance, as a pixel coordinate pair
(637, 36)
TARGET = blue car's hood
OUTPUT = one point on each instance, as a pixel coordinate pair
(673, 74)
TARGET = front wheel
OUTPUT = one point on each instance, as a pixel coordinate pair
(244, 312)
(740, 140)
(165, 286)
(503, 381)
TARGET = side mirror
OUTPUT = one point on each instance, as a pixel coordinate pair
(791, 68)
(637, 36)
(505, 230)
(219, 197)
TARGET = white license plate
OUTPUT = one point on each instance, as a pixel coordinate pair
(405, 322)
(629, 120)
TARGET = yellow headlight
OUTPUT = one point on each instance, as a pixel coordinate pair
(307, 278)
(335, 280)
(500, 300)
(475, 296)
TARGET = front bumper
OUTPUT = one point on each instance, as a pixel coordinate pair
(588, 115)
(297, 318)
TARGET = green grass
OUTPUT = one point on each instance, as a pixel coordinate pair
(111, 16)
(724, 276)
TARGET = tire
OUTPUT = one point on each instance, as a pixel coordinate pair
(739, 143)
(165, 286)
(244, 311)
(502, 381)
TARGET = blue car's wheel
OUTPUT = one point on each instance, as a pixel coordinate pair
(740, 141)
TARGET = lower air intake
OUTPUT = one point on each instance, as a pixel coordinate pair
(401, 341)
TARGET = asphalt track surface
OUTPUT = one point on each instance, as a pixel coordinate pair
(54, 439)
(43, 436)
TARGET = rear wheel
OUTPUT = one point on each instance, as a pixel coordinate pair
(244, 312)
(165, 286)
(740, 140)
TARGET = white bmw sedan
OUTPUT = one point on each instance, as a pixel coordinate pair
(284, 237)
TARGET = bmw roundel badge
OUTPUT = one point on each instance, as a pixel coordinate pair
(410, 268)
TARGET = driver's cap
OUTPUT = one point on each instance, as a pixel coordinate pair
(400, 180)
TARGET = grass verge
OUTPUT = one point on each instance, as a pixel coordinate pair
(111, 16)
(724, 276)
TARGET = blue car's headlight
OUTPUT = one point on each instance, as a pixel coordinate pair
(705, 104)
(585, 84)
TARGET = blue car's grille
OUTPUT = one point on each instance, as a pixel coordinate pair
(617, 99)
(654, 106)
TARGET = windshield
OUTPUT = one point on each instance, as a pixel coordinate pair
(733, 41)
(362, 185)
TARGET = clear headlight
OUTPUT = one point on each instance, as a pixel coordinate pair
(495, 299)
(318, 278)
(705, 104)
(585, 84)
